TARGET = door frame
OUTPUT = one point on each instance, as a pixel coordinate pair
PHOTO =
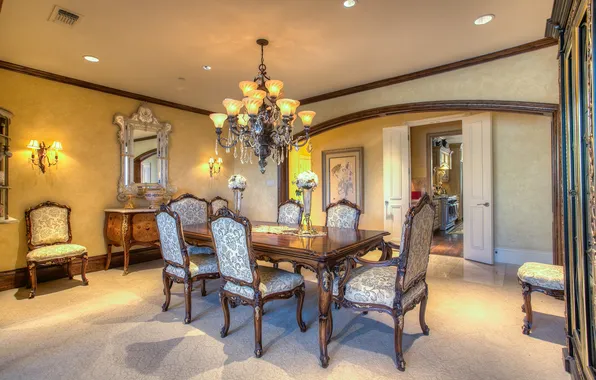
(533, 108)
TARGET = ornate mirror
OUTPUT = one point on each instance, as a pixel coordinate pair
(143, 152)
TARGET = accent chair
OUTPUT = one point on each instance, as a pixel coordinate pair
(343, 214)
(192, 210)
(217, 203)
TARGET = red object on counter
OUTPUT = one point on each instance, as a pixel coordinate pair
(416, 194)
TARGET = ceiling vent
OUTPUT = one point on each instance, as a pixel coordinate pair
(64, 17)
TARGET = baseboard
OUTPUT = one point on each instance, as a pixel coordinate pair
(17, 278)
(520, 256)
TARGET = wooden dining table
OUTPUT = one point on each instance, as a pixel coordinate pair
(321, 254)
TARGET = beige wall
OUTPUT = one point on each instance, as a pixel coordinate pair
(89, 167)
(522, 193)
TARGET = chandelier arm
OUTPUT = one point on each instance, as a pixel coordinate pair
(224, 142)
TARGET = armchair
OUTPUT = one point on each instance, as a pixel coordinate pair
(394, 286)
(192, 210)
(217, 203)
(343, 214)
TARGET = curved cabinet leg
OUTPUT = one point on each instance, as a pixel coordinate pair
(84, 261)
(527, 294)
(187, 300)
(226, 313)
(109, 256)
(126, 248)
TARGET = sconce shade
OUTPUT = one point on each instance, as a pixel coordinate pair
(218, 119)
(33, 144)
(211, 160)
(56, 145)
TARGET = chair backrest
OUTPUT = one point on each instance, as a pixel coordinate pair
(416, 242)
(231, 237)
(48, 223)
(343, 214)
(190, 209)
(217, 203)
(290, 212)
(171, 237)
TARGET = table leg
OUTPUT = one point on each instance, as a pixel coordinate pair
(325, 296)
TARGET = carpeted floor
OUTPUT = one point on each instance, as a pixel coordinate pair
(114, 329)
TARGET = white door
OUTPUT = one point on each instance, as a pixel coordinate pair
(396, 178)
(478, 188)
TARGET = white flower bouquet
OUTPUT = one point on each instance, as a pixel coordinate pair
(307, 180)
(237, 182)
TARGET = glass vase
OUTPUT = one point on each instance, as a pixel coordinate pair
(237, 200)
(306, 225)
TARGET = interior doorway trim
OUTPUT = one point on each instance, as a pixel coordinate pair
(429, 140)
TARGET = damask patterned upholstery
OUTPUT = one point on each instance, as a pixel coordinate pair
(342, 216)
(190, 210)
(198, 250)
(169, 233)
(199, 264)
(216, 204)
(543, 275)
(289, 213)
(272, 281)
(376, 285)
(49, 225)
(229, 237)
(420, 241)
(56, 251)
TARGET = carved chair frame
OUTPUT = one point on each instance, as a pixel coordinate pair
(526, 308)
(217, 198)
(344, 202)
(291, 201)
(401, 262)
(33, 264)
(228, 298)
(187, 280)
(208, 208)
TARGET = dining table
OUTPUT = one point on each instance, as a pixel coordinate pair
(322, 254)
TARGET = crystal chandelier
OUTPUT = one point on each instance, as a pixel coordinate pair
(262, 122)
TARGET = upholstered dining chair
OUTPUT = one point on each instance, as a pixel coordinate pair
(393, 286)
(243, 280)
(179, 266)
(49, 239)
(192, 210)
(290, 212)
(343, 214)
(217, 203)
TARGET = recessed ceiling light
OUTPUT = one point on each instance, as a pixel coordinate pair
(207, 67)
(91, 58)
(349, 3)
(484, 19)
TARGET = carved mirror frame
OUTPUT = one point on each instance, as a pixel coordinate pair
(143, 120)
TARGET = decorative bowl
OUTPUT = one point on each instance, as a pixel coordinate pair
(155, 196)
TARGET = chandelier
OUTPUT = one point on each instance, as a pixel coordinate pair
(262, 122)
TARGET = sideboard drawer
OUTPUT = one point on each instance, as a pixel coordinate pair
(144, 228)
(114, 226)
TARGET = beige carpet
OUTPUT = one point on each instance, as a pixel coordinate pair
(114, 329)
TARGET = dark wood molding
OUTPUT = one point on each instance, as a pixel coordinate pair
(521, 49)
(1, 3)
(97, 87)
(558, 18)
(17, 278)
(283, 181)
(437, 106)
(145, 138)
(137, 163)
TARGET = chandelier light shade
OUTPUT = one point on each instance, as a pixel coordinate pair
(262, 123)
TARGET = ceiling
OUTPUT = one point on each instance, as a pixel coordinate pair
(316, 46)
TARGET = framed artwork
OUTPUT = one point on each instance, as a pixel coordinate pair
(343, 176)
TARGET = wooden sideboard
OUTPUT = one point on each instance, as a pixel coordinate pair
(129, 227)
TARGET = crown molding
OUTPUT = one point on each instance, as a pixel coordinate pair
(97, 87)
(521, 49)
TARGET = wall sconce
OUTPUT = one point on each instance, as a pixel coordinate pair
(43, 160)
(214, 166)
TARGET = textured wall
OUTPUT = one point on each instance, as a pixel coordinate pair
(89, 167)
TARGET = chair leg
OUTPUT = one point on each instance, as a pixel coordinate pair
(330, 326)
(258, 316)
(297, 269)
(527, 294)
(300, 295)
(33, 278)
(226, 313)
(275, 265)
(167, 285)
(422, 316)
(187, 300)
(69, 269)
(84, 260)
(398, 333)
(203, 289)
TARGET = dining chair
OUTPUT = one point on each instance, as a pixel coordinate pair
(393, 286)
(192, 210)
(49, 240)
(290, 212)
(217, 203)
(244, 281)
(343, 214)
(179, 266)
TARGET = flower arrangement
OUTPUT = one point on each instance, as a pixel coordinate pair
(307, 180)
(237, 182)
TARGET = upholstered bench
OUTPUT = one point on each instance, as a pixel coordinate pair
(543, 278)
